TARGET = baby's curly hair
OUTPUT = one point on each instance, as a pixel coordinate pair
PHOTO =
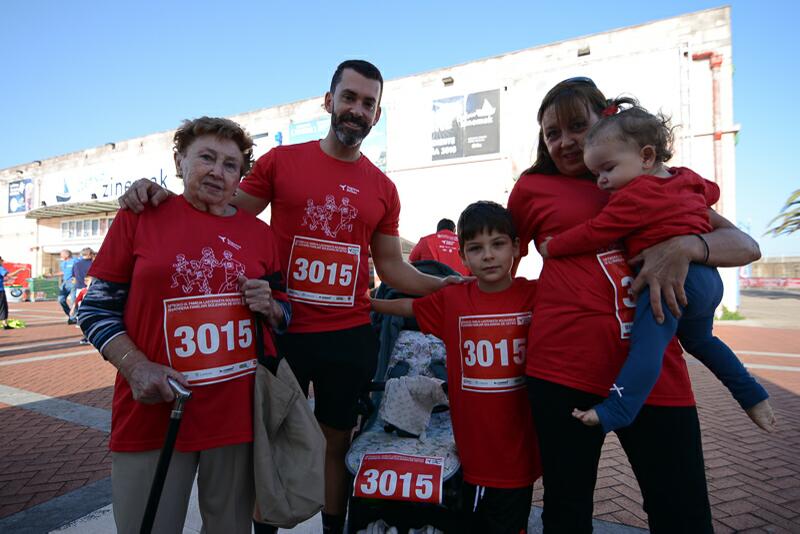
(223, 128)
(634, 124)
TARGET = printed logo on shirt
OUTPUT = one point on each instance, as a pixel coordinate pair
(229, 242)
(330, 217)
(197, 276)
(349, 189)
(447, 243)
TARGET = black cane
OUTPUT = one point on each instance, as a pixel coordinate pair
(181, 395)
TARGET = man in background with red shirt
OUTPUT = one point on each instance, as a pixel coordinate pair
(441, 246)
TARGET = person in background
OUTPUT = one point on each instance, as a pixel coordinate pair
(79, 296)
(79, 271)
(66, 291)
(441, 246)
(3, 300)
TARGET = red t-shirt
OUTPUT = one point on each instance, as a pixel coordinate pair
(442, 247)
(324, 214)
(178, 261)
(584, 312)
(485, 335)
(647, 211)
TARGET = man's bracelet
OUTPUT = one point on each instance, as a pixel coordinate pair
(705, 244)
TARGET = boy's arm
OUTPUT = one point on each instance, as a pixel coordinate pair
(398, 273)
(619, 218)
(401, 307)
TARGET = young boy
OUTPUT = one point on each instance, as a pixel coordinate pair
(484, 325)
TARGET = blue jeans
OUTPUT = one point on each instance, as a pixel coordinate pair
(649, 340)
(66, 290)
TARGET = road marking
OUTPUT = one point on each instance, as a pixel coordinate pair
(72, 412)
(775, 354)
(772, 367)
(27, 316)
(14, 348)
(51, 357)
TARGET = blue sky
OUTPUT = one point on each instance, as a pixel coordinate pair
(80, 74)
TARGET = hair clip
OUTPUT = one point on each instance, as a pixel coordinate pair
(611, 109)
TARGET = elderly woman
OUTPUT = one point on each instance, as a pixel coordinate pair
(174, 294)
(578, 337)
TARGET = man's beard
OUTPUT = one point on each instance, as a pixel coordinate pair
(348, 136)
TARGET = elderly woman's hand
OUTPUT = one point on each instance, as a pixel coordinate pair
(147, 379)
(258, 297)
(141, 192)
(664, 269)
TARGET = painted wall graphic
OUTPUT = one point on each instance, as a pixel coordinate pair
(466, 126)
(374, 146)
(20, 195)
(93, 182)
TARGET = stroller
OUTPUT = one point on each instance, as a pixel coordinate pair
(421, 493)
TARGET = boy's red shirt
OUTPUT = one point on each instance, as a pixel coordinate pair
(485, 335)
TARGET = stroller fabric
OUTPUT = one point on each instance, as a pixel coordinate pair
(409, 400)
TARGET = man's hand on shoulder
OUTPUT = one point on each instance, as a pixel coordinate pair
(455, 279)
(142, 192)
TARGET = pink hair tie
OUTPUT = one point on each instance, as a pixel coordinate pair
(610, 110)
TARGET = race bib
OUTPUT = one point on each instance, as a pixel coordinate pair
(210, 338)
(323, 272)
(620, 276)
(493, 351)
(400, 477)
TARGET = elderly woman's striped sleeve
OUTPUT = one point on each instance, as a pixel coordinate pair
(100, 313)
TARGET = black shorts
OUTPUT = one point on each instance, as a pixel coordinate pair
(3, 305)
(339, 363)
(494, 510)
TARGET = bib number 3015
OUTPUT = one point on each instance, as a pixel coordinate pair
(400, 477)
(493, 351)
(621, 278)
(323, 272)
(210, 338)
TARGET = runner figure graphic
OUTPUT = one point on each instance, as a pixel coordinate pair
(232, 269)
(182, 270)
(322, 216)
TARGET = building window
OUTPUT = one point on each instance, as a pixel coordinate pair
(85, 228)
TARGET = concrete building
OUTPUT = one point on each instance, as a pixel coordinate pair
(446, 137)
(777, 267)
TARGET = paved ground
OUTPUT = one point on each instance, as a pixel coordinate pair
(54, 413)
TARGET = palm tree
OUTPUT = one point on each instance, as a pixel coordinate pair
(788, 220)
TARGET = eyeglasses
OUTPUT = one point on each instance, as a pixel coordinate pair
(579, 79)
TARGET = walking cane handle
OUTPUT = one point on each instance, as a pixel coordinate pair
(178, 389)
